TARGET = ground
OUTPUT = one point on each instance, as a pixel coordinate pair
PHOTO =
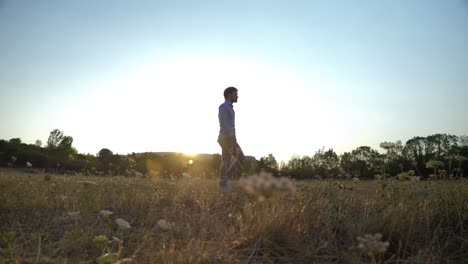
(49, 218)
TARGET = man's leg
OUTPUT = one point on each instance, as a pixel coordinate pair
(236, 170)
(225, 162)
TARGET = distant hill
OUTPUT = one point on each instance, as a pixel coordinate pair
(196, 157)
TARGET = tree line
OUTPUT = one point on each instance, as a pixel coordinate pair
(59, 155)
(434, 156)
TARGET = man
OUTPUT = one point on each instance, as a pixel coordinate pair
(232, 156)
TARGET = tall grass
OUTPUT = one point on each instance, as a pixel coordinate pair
(56, 219)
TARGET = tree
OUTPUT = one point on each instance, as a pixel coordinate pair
(393, 158)
(65, 145)
(105, 154)
(55, 138)
(443, 144)
(3, 145)
(463, 140)
(105, 157)
(346, 161)
(365, 162)
(327, 163)
(214, 164)
(15, 141)
(299, 167)
(38, 143)
(268, 164)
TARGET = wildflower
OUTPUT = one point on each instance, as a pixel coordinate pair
(13, 159)
(28, 164)
(122, 223)
(105, 259)
(372, 245)
(164, 225)
(435, 164)
(402, 176)
(125, 260)
(74, 214)
(264, 185)
(460, 158)
(105, 213)
(87, 183)
(414, 178)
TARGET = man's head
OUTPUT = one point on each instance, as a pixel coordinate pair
(230, 94)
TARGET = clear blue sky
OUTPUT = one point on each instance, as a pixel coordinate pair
(149, 75)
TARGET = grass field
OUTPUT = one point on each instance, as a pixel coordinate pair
(59, 219)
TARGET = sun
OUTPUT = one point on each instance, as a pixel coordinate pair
(190, 154)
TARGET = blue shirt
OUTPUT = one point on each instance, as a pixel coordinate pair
(226, 117)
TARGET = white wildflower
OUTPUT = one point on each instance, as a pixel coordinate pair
(164, 225)
(105, 213)
(28, 164)
(105, 259)
(122, 223)
(372, 245)
(414, 178)
(264, 185)
(87, 182)
(74, 214)
(125, 260)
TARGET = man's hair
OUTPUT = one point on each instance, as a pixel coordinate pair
(229, 90)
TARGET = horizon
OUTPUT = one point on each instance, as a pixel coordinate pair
(148, 76)
(195, 154)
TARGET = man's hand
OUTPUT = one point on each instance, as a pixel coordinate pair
(232, 140)
(235, 151)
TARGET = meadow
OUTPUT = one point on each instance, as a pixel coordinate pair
(48, 218)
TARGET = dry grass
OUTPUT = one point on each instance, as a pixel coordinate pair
(424, 222)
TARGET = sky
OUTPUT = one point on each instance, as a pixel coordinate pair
(137, 76)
